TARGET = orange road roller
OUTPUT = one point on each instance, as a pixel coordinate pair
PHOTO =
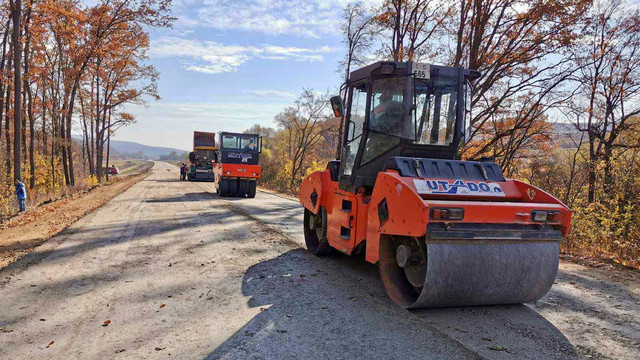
(444, 232)
(236, 170)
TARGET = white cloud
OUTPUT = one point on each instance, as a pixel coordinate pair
(172, 124)
(309, 18)
(211, 57)
(273, 94)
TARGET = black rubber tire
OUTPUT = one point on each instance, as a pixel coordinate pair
(224, 187)
(317, 245)
(242, 188)
(252, 188)
(233, 187)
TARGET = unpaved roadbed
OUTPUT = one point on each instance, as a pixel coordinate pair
(25, 231)
(597, 310)
(180, 273)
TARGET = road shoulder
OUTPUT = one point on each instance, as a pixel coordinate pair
(40, 224)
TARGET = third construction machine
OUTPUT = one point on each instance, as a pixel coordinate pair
(237, 169)
(202, 157)
(444, 232)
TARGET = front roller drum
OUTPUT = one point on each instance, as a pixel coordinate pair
(417, 275)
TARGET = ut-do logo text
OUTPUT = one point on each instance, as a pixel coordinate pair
(458, 187)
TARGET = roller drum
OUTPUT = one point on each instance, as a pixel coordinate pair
(489, 273)
(462, 273)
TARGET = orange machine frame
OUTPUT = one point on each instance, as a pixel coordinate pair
(243, 171)
(409, 211)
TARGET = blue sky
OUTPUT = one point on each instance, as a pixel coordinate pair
(229, 64)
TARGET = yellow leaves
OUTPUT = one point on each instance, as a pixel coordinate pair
(92, 181)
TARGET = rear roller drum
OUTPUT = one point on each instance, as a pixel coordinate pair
(315, 232)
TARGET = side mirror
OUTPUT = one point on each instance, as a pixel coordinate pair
(337, 105)
(259, 144)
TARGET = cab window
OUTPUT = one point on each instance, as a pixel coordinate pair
(436, 107)
(248, 143)
(229, 141)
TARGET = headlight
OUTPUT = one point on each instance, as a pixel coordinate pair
(545, 216)
(447, 213)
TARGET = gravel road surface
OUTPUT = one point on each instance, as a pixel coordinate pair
(169, 270)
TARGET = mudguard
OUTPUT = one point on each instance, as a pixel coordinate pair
(312, 190)
(395, 208)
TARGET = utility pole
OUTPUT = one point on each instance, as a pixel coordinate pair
(16, 14)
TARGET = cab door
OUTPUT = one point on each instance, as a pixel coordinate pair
(356, 115)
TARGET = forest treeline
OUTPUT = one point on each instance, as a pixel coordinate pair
(68, 66)
(557, 105)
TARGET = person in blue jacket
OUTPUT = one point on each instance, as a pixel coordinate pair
(21, 193)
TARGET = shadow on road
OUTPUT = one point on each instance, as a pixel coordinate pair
(335, 308)
(197, 196)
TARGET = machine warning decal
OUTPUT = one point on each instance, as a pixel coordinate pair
(240, 155)
(458, 187)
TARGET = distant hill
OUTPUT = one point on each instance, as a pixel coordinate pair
(133, 150)
(566, 135)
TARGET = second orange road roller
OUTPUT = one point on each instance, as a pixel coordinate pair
(236, 170)
(444, 232)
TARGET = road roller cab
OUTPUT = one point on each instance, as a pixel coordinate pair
(444, 232)
(237, 168)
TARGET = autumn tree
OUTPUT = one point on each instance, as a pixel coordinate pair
(407, 26)
(520, 48)
(120, 79)
(81, 34)
(303, 126)
(16, 16)
(609, 80)
(48, 73)
(358, 33)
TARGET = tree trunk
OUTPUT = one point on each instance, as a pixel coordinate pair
(591, 193)
(63, 147)
(2, 65)
(44, 120)
(72, 176)
(53, 148)
(7, 125)
(108, 142)
(608, 171)
(99, 141)
(32, 164)
(28, 96)
(17, 83)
